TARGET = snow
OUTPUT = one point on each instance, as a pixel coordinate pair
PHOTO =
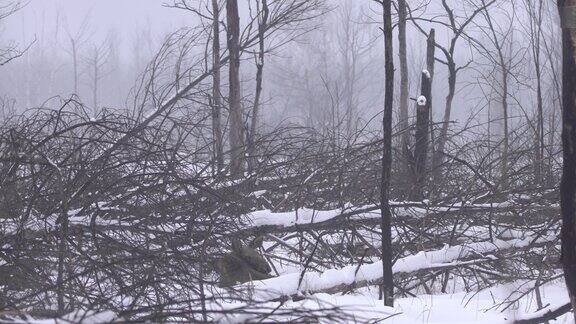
(427, 73)
(421, 101)
(476, 307)
(400, 208)
(84, 317)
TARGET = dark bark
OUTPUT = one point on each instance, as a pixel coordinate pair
(403, 73)
(216, 93)
(549, 316)
(386, 223)
(422, 122)
(237, 147)
(423, 113)
(568, 184)
(535, 37)
(430, 59)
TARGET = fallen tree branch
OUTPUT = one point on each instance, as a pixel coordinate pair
(546, 314)
(334, 280)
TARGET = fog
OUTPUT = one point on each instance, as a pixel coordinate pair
(134, 30)
(306, 161)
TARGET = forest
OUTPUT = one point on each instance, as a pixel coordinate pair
(301, 161)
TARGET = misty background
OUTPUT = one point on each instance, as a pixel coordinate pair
(335, 66)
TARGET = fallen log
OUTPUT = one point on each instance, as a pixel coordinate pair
(355, 276)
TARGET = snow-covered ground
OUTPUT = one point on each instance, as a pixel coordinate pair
(490, 306)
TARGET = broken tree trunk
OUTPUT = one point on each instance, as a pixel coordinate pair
(423, 108)
(421, 149)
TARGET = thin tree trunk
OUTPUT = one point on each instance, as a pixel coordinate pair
(386, 220)
(62, 248)
(95, 82)
(568, 184)
(403, 74)
(259, 72)
(438, 157)
(216, 93)
(503, 98)
(535, 37)
(430, 52)
(75, 62)
(505, 144)
(237, 148)
(540, 126)
(430, 59)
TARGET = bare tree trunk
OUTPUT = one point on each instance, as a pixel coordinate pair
(75, 62)
(438, 157)
(259, 71)
(62, 247)
(498, 43)
(430, 52)
(505, 144)
(540, 126)
(422, 121)
(403, 74)
(237, 147)
(568, 185)
(386, 221)
(95, 81)
(216, 93)
(535, 15)
(430, 59)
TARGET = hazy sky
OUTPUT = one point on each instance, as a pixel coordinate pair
(120, 16)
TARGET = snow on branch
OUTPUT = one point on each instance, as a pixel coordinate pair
(334, 280)
(306, 218)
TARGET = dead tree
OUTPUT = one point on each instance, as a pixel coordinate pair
(77, 41)
(386, 219)
(423, 108)
(216, 93)
(11, 51)
(457, 29)
(534, 10)
(237, 147)
(262, 22)
(97, 61)
(403, 74)
(498, 37)
(568, 185)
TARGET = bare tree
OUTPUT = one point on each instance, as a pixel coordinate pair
(423, 109)
(263, 14)
(535, 14)
(237, 140)
(402, 56)
(216, 91)
(386, 218)
(457, 29)
(11, 51)
(77, 42)
(97, 61)
(500, 34)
